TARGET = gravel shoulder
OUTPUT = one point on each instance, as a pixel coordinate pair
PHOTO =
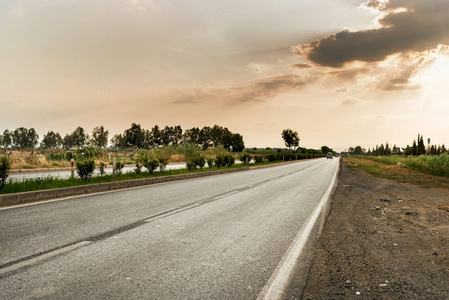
(383, 240)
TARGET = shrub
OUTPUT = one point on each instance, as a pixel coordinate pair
(101, 167)
(5, 166)
(138, 167)
(271, 157)
(200, 162)
(85, 169)
(163, 161)
(229, 160)
(246, 157)
(69, 155)
(210, 163)
(118, 167)
(191, 164)
(219, 161)
(258, 159)
(150, 164)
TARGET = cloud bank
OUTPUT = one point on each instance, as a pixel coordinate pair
(404, 26)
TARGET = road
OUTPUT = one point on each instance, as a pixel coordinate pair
(218, 237)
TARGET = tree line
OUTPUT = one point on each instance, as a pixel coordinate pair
(134, 137)
(417, 148)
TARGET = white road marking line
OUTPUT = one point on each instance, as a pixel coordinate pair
(42, 257)
(280, 279)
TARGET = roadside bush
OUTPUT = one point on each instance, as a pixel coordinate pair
(138, 167)
(229, 160)
(118, 167)
(101, 167)
(219, 161)
(200, 162)
(258, 159)
(5, 166)
(69, 155)
(245, 158)
(191, 164)
(150, 164)
(85, 169)
(271, 157)
(163, 161)
(210, 163)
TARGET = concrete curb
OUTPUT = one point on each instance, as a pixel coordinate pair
(27, 197)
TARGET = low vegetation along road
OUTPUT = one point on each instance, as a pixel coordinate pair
(220, 237)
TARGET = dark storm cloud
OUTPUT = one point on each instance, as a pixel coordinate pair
(405, 26)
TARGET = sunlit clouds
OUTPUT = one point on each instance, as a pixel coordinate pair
(341, 72)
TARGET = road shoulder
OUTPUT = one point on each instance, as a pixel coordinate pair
(382, 240)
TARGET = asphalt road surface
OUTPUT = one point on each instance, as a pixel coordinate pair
(218, 237)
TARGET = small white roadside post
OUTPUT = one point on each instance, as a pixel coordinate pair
(114, 163)
(72, 172)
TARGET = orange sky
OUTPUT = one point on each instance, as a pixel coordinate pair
(340, 72)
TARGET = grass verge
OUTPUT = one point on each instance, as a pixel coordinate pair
(385, 169)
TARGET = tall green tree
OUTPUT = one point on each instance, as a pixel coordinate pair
(24, 138)
(100, 137)
(68, 142)
(6, 139)
(291, 138)
(421, 147)
(134, 136)
(193, 136)
(79, 137)
(51, 140)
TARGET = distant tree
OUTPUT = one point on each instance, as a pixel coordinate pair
(421, 147)
(100, 137)
(51, 140)
(237, 143)
(134, 136)
(171, 135)
(7, 139)
(153, 138)
(68, 142)
(326, 149)
(118, 141)
(205, 137)
(414, 148)
(291, 138)
(24, 138)
(358, 150)
(79, 137)
(193, 136)
(176, 137)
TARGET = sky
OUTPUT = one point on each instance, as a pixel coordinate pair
(341, 73)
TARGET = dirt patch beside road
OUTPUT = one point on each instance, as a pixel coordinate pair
(383, 240)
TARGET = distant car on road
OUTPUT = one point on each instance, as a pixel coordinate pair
(330, 155)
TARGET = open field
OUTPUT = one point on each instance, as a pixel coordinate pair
(386, 167)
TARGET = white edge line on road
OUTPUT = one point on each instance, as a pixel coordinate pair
(42, 257)
(280, 279)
